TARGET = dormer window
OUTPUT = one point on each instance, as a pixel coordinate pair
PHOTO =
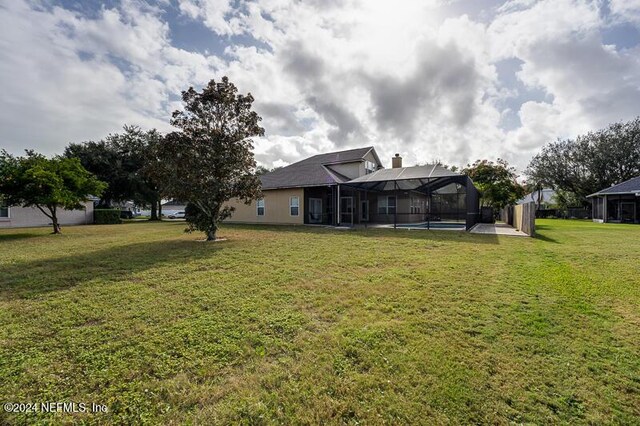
(369, 167)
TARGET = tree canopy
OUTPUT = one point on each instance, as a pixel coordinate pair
(46, 183)
(590, 162)
(121, 160)
(210, 159)
(497, 182)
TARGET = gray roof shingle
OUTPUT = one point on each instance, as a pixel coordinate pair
(631, 186)
(312, 171)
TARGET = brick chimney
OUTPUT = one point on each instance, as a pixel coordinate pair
(396, 162)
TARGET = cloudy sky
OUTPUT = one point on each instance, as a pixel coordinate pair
(451, 80)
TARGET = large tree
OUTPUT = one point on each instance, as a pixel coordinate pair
(497, 182)
(590, 162)
(49, 184)
(210, 159)
(120, 160)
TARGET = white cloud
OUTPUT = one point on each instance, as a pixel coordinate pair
(414, 78)
(60, 81)
(625, 10)
(590, 84)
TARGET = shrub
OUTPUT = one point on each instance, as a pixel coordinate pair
(106, 216)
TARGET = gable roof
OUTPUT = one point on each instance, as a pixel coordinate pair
(314, 171)
(631, 186)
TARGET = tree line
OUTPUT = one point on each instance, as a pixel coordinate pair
(578, 167)
(209, 160)
(206, 162)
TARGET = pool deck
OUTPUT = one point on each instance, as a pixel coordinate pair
(434, 226)
(497, 229)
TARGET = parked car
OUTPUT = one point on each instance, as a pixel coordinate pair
(177, 215)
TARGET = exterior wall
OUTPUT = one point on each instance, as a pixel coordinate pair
(355, 169)
(276, 208)
(350, 170)
(22, 217)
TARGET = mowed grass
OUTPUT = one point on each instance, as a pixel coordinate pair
(307, 325)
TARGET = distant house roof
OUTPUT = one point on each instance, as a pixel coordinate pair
(314, 171)
(547, 197)
(173, 203)
(631, 186)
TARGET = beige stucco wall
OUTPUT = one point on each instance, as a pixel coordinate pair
(276, 208)
(21, 217)
(354, 169)
(350, 170)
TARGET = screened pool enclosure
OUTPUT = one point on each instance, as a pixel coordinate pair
(416, 197)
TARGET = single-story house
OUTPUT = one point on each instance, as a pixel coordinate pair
(619, 203)
(352, 187)
(23, 217)
(545, 198)
(173, 206)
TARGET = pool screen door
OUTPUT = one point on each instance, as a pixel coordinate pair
(315, 210)
(346, 210)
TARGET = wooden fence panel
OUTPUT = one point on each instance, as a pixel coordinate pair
(524, 218)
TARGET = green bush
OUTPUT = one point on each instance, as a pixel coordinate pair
(106, 216)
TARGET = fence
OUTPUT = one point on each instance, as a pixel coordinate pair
(522, 217)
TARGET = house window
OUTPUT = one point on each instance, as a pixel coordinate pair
(369, 167)
(260, 207)
(4, 210)
(294, 206)
(387, 204)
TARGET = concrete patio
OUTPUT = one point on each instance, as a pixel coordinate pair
(497, 229)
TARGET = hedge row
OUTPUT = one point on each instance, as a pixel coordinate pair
(106, 216)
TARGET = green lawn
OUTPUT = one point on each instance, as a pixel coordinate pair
(307, 325)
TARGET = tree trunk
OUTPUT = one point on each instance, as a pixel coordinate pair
(154, 211)
(160, 209)
(211, 234)
(54, 220)
(51, 215)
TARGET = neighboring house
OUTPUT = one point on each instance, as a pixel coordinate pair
(546, 199)
(352, 188)
(619, 203)
(128, 206)
(173, 206)
(22, 217)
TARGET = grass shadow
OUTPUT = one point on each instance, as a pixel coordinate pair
(543, 237)
(19, 236)
(32, 278)
(424, 234)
